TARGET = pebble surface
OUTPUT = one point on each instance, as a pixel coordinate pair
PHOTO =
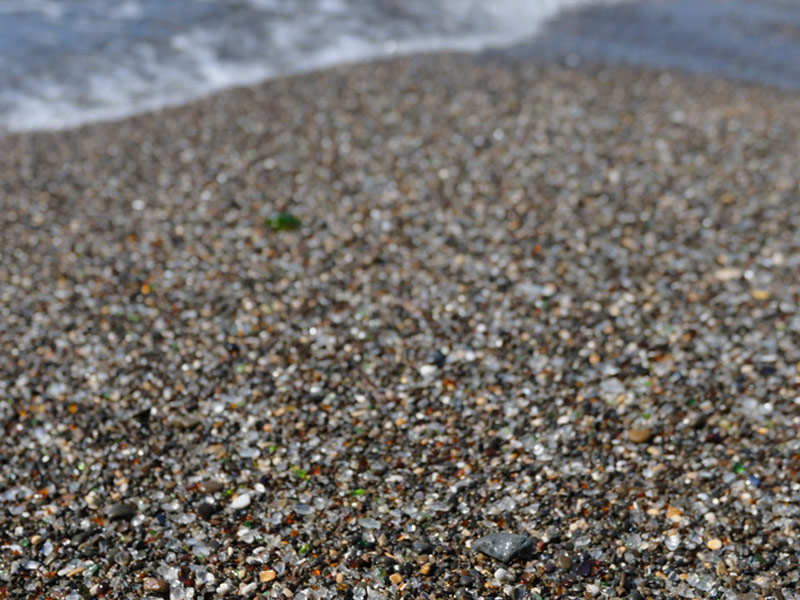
(494, 273)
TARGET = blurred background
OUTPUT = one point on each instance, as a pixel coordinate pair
(66, 62)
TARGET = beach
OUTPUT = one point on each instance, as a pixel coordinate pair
(316, 337)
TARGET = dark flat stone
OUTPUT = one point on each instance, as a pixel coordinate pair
(206, 510)
(120, 512)
(586, 567)
(504, 546)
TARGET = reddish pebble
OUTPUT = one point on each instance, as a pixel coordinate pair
(153, 585)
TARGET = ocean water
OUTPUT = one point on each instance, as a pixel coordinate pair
(67, 62)
(748, 40)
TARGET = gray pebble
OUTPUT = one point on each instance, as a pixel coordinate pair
(210, 486)
(504, 546)
(120, 512)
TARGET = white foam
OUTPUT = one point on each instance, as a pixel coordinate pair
(49, 8)
(127, 10)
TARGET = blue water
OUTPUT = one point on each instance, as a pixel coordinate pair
(65, 62)
(748, 40)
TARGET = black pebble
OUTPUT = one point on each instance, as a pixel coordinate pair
(422, 546)
(438, 359)
(143, 417)
(585, 568)
(206, 510)
(82, 536)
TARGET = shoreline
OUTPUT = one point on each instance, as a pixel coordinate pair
(730, 37)
(525, 56)
(552, 302)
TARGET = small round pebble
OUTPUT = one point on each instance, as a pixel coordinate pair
(564, 562)
(639, 435)
(210, 486)
(714, 544)
(240, 501)
(267, 576)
